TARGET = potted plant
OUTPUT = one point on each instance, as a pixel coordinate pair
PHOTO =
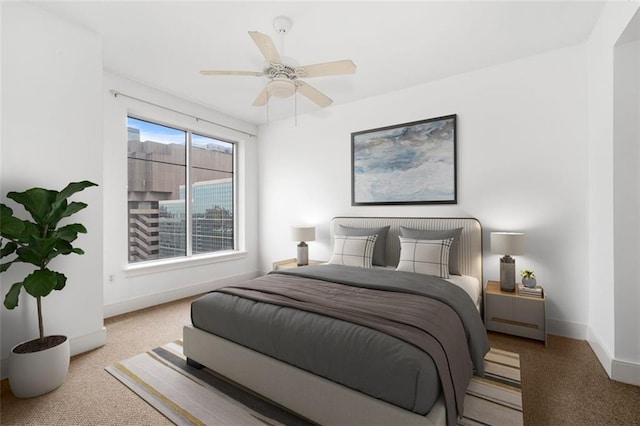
(40, 365)
(528, 278)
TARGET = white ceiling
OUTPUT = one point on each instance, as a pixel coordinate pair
(395, 45)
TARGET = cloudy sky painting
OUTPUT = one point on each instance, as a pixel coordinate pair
(408, 163)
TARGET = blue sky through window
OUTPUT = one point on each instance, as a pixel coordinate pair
(157, 133)
(167, 135)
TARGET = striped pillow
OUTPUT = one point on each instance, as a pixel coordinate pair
(352, 250)
(429, 257)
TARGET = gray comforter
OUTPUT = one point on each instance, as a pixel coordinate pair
(357, 348)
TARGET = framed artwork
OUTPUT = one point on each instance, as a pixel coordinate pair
(409, 163)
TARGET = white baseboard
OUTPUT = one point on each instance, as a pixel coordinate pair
(617, 369)
(78, 345)
(603, 353)
(625, 372)
(81, 344)
(567, 329)
(142, 302)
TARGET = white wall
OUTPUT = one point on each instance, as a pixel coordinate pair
(124, 290)
(522, 155)
(604, 327)
(52, 135)
(56, 103)
(626, 177)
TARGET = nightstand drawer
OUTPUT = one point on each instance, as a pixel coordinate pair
(514, 314)
(516, 328)
(530, 312)
(501, 307)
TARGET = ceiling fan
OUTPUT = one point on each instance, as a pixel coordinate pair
(285, 77)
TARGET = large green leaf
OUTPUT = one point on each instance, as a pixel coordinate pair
(37, 201)
(39, 251)
(5, 210)
(29, 255)
(5, 266)
(8, 249)
(64, 210)
(41, 282)
(11, 299)
(10, 226)
(47, 207)
(62, 247)
(30, 230)
(73, 208)
(62, 281)
(70, 232)
(72, 188)
(60, 209)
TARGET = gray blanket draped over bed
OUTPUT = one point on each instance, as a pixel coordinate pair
(445, 324)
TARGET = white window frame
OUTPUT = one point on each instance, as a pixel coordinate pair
(190, 259)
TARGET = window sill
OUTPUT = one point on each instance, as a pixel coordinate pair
(157, 266)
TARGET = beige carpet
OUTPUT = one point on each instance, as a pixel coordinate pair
(188, 396)
(563, 383)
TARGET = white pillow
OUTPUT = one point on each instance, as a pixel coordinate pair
(429, 257)
(352, 250)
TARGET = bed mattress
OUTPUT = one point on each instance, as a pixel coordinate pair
(361, 358)
(468, 283)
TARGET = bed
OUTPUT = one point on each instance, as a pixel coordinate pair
(375, 389)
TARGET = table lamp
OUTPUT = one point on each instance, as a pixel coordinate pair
(507, 243)
(302, 234)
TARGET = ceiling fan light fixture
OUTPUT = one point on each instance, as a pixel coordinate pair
(281, 88)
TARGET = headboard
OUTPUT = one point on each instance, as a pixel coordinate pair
(470, 245)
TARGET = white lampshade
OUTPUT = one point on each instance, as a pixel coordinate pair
(507, 243)
(303, 233)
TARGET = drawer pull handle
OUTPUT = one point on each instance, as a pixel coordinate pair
(522, 324)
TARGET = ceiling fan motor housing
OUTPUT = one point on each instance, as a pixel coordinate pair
(274, 70)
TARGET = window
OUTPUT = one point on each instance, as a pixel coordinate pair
(180, 192)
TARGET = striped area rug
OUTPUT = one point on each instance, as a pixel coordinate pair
(188, 396)
(496, 398)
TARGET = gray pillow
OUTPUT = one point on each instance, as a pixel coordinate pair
(425, 234)
(379, 250)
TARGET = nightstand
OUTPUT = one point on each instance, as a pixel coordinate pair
(292, 263)
(512, 313)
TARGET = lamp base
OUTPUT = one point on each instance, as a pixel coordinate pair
(302, 255)
(507, 274)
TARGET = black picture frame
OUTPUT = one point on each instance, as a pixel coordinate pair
(408, 163)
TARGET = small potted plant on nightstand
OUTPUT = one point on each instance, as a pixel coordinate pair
(528, 278)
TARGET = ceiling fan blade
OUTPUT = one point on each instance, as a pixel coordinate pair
(221, 72)
(313, 94)
(262, 98)
(266, 46)
(327, 68)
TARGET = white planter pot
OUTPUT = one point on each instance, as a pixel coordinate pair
(36, 373)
